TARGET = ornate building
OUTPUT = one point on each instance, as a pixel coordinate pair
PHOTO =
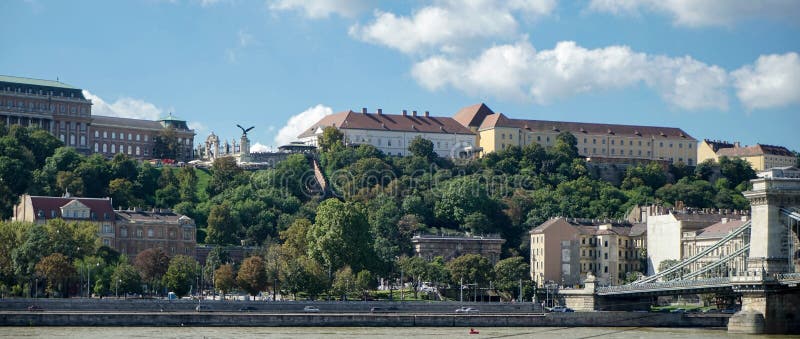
(63, 110)
(449, 247)
(39, 209)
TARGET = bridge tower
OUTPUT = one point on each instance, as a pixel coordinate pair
(768, 306)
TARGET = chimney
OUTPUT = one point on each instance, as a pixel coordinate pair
(364, 110)
(405, 112)
(380, 111)
(414, 113)
(427, 114)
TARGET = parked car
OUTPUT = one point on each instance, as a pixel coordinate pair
(247, 309)
(467, 310)
(383, 309)
(311, 309)
(35, 308)
(202, 308)
(561, 309)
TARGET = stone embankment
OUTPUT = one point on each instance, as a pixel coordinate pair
(13, 312)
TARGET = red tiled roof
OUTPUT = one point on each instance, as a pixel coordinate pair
(99, 206)
(757, 149)
(149, 216)
(389, 122)
(473, 116)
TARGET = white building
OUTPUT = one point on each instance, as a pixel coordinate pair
(392, 133)
(667, 230)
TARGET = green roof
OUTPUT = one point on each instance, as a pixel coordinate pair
(35, 82)
(170, 117)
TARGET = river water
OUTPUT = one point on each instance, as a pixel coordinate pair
(362, 332)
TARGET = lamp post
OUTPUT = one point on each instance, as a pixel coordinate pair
(89, 280)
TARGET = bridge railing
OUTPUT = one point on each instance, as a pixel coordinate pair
(675, 284)
(688, 261)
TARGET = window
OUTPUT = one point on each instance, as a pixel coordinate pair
(150, 233)
(139, 232)
(106, 228)
(594, 141)
(605, 269)
(138, 137)
(96, 134)
(605, 244)
(187, 234)
(145, 137)
(106, 242)
(503, 136)
(83, 140)
(612, 141)
(538, 138)
(130, 136)
(105, 148)
(113, 148)
(105, 134)
(605, 255)
(96, 148)
(603, 141)
(123, 232)
(510, 136)
(113, 135)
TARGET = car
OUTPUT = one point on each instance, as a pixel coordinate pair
(35, 308)
(247, 309)
(467, 310)
(311, 309)
(561, 309)
(202, 308)
(383, 309)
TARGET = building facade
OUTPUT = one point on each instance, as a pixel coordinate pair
(139, 230)
(696, 241)
(393, 133)
(126, 231)
(496, 131)
(39, 209)
(565, 250)
(65, 112)
(666, 230)
(429, 247)
(761, 157)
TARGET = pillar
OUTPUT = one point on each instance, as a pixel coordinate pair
(769, 245)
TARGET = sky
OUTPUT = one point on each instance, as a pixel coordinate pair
(719, 69)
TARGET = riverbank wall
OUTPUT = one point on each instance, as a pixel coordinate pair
(163, 319)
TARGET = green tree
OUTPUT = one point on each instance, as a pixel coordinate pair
(123, 167)
(216, 258)
(166, 145)
(472, 268)
(509, 273)
(295, 238)
(344, 283)
(416, 269)
(181, 275)
(340, 236)
(188, 184)
(422, 148)
(252, 276)
(224, 279)
(122, 193)
(224, 171)
(126, 279)
(168, 196)
(56, 269)
(330, 139)
(222, 226)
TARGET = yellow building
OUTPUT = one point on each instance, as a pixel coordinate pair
(761, 157)
(495, 131)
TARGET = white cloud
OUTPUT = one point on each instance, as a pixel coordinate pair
(197, 126)
(299, 122)
(243, 40)
(517, 71)
(774, 81)
(259, 148)
(696, 13)
(450, 24)
(124, 107)
(318, 9)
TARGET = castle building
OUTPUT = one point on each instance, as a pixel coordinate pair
(65, 112)
(393, 133)
(761, 157)
(40, 209)
(496, 131)
(565, 250)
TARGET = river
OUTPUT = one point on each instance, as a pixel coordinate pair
(362, 332)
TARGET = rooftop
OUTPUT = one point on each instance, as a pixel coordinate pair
(35, 82)
(50, 206)
(755, 150)
(406, 122)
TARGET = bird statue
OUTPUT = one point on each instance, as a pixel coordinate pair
(244, 131)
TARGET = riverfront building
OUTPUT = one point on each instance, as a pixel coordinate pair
(673, 234)
(496, 131)
(127, 231)
(392, 133)
(66, 113)
(761, 157)
(565, 250)
(449, 247)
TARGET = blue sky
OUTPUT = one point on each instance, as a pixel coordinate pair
(719, 69)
